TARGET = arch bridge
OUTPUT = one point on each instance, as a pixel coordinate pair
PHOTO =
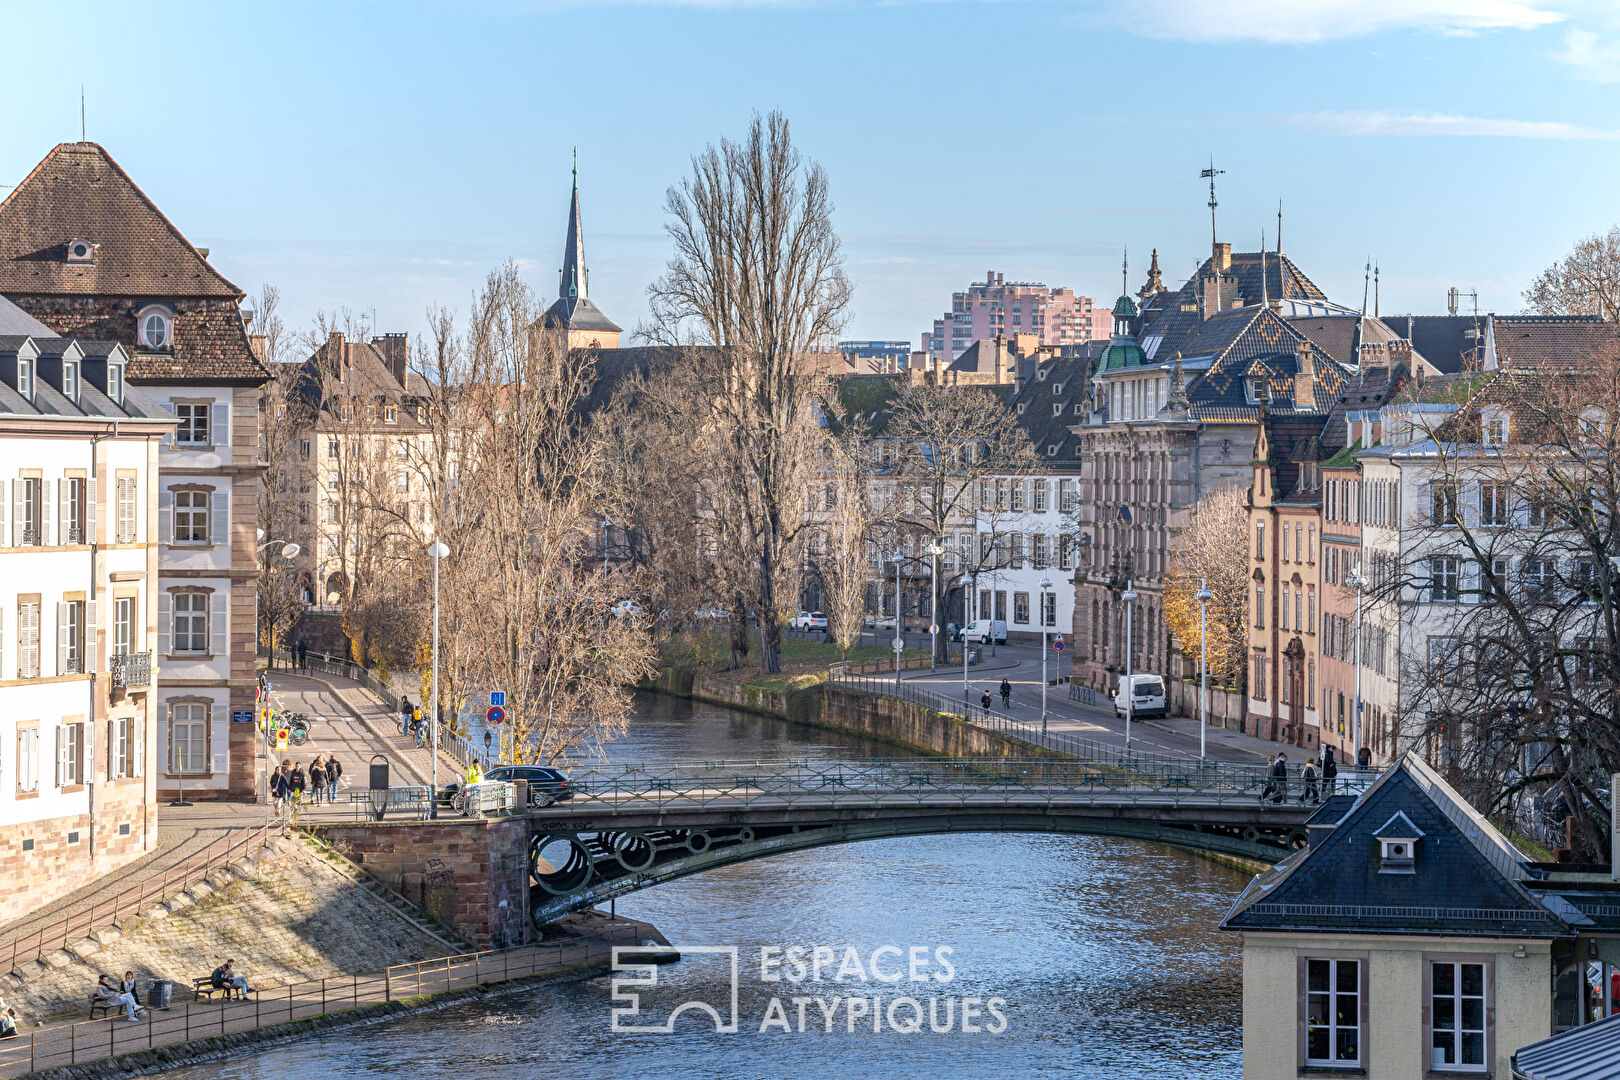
(630, 827)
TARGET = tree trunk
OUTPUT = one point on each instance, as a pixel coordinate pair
(738, 624)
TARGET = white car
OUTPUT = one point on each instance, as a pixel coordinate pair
(625, 607)
(808, 620)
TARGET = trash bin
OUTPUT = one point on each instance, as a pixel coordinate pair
(159, 992)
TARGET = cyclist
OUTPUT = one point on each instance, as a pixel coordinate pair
(1006, 694)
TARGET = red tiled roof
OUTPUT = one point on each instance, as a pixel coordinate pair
(79, 193)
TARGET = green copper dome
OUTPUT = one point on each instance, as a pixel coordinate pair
(1125, 306)
(1123, 356)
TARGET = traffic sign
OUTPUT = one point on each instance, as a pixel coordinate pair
(282, 735)
(496, 714)
(1057, 643)
(497, 699)
(898, 643)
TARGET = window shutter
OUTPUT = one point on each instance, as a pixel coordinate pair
(219, 617)
(64, 510)
(165, 622)
(61, 752)
(168, 437)
(91, 639)
(219, 426)
(61, 639)
(221, 742)
(45, 515)
(5, 537)
(92, 511)
(18, 488)
(165, 516)
(137, 762)
(219, 511)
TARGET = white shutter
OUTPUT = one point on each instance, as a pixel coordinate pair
(219, 514)
(165, 622)
(137, 725)
(219, 426)
(61, 639)
(219, 619)
(64, 507)
(18, 515)
(3, 667)
(91, 638)
(112, 749)
(221, 741)
(5, 537)
(168, 436)
(45, 537)
(61, 753)
(92, 511)
(165, 516)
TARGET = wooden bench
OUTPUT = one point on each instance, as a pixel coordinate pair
(101, 1005)
(203, 989)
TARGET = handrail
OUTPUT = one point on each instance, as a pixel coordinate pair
(60, 1045)
(227, 847)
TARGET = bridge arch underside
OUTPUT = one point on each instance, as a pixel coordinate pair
(578, 865)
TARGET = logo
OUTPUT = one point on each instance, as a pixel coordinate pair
(630, 990)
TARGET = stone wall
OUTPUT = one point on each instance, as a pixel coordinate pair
(913, 727)
(293, 918)
(472, 875)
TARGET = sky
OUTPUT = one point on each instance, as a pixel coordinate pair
(385, 157)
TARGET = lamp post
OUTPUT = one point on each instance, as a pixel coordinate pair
(436, 551)
(899, 642)
(606, 525)
(936, 549)
(967, 617)
(1356, 582)
(1046, 587)
(1203, 596)
(1128, 687)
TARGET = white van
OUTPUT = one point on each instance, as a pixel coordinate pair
(983, 631)
(1147, 697)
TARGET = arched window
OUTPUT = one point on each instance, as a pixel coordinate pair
(155, 327)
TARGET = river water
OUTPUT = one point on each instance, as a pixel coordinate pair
(1104, 956)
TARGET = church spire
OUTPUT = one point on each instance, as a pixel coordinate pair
(574, 284)
(1155, 281)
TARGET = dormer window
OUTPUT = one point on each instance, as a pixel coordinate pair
(81, 251)
(115, 383)
(154, 327)
(1020, 408)
(1253, 388)
(70, 380)
(25, 379)
(1397, 845)
(1057, 388)
(1494, 427)
(1057, 408)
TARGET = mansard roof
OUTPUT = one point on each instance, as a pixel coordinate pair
(1169, 318)
(1254, 342)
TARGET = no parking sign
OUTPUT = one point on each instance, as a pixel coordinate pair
(496, 714)
(1057, 643)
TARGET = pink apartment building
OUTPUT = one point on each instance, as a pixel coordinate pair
(995, 306)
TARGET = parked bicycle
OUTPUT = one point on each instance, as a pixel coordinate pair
(296, 723)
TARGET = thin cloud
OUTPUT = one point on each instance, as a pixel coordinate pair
(1293, 22)
(1426, 125)
(1592, 58)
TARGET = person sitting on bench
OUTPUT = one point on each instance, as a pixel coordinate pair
(225, 978)
(109, 993)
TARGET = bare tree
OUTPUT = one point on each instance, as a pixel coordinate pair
(842, 542)
(1213, 551)
(1584, 282)
(284, 487)
(757, 274)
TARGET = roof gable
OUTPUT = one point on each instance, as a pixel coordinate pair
(79, 191)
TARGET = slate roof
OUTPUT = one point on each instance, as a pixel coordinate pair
(1163, 317)
(17, 323)
(1468, 879)
(80, 192)
(579, 313)
(1253, 342)
(1045, 405)
(50, 403)
(1588, 1052)
(1551, 340)
(1337, 335)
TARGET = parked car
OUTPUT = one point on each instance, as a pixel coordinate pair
(808, 620)
(953, 631)
(712, 613)
(546, 784)
(1147, 696)
(880, 622)
(625, 607)
(985, 631)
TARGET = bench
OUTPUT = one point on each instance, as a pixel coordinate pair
(101, 1005)
(203, 989)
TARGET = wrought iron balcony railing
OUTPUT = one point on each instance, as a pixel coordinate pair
(132, 670)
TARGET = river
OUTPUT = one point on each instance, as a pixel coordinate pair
(1104, 956)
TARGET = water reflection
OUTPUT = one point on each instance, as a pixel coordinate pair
(1105, 953)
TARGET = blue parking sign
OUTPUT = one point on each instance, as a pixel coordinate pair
(497, 699)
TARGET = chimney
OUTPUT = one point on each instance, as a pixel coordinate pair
(394, 352)
(258, 343)
(1026, 344)
(1400, 353)
(336, 354)
(1221, 257)
(1305, 378)
(1211, 298)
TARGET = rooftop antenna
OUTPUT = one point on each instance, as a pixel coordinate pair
(1125, 270)
(1210, 174)
(82, 136)
(1279, 232)
(1375, 290)
(1366, 277)
(1265, 289)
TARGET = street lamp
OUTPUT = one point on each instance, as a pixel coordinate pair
(1128, 688)
(436, 551)
(1203, 596)
(606, 525)
(899, 642)
(1356, 582)
(936, 549)
(968, 613)
(1046, 587)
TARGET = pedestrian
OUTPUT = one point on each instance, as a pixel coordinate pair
(1279, 779)
(1330, 772)
(404, 716)
(295, 784)
(1307, 773)
(1006, 694)
(334, 769)
(225, 978)
(1271, 770)
(317, 781)
(303, 653)
(984, 700)
(128, 986)
(278, 789)
(419, 727)
(115, 998)
(8, 1021)
(1364, 758)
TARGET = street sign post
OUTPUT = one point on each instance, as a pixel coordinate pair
(1057, 643)
(282, 735)
(496, 714)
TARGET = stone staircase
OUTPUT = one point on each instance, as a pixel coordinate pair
(409, 912)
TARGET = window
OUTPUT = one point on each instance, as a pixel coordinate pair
(26, 525)
(303, 448)
(1260, 608)
(191, 517)
(1445, 574)
(1040, 551)
(191, 622)
(1457, 1016)
(1258, 687)
(402, 482)
(1299, 539)
(390, 414)
(1283, 614)
(28, 639)
(1040, 496)
(1299, 609)
(126, 510)
(1018, 495)
(155, 330)
(331, 448)
(1443, 504)
(1310, 545)
(1065, 552)
(70, 629)
(1494, 427)
(70, 380)
(1260, 540)
(188, 738)
(123, 625)
(403, 450)
(193, 429)
(25, 379)
(1021, 607)
(115, 382)
(123, 748)
(1445, 660)
(1495, 504)
(27, 759)
(1066, 496)
(1332, 1012)
(69, 754)
(1310, 608)
(1049, 609)
(1540, 576)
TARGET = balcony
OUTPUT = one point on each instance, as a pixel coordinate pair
(131, 671)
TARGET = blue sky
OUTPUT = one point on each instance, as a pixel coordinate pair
(385, 156)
